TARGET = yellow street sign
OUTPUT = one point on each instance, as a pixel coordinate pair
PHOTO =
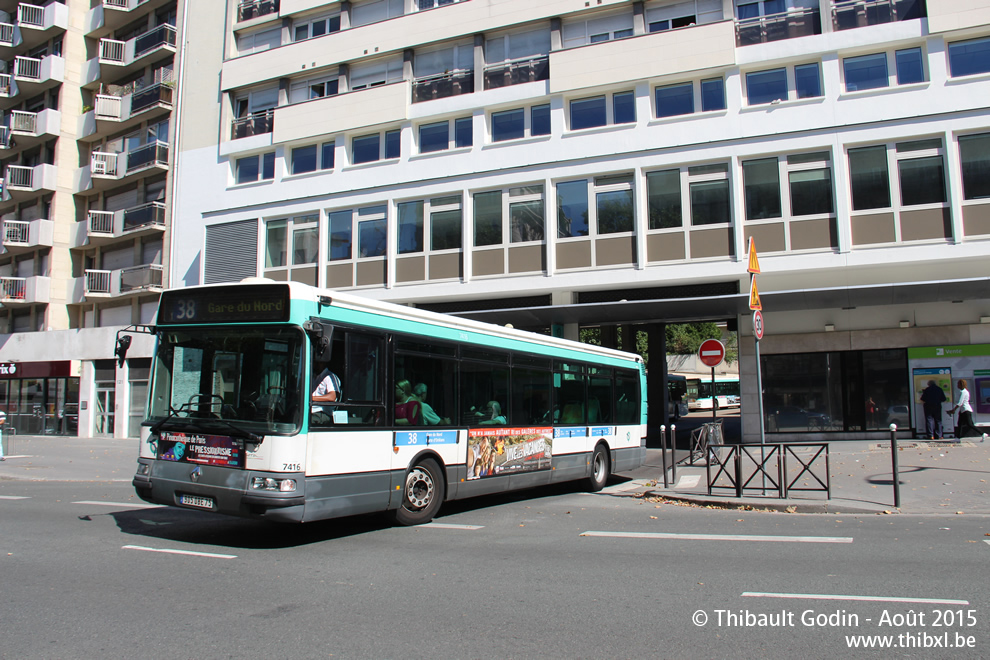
(754, 296)
(754, 264)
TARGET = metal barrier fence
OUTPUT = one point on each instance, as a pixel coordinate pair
(777, 467)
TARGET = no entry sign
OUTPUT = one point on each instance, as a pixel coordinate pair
(711, 353)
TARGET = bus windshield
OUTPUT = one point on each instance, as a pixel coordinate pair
(225, 379)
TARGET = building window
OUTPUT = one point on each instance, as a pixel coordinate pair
(663, 190)
(312, 158)
(340, 235)
(968, 58)
(369, 224)
(712, 94)
(766, 86)
(679, 99)
(808, 81)
(921, 172)
(597, 30)
(517, 58)
(595, 111)
(378, 146)
(438, 137)
(444, 229)
(313, 88)
(255, 168)
(910, 66)
(375, 11)
(761, 181)
(523, 206)
(612, 211)
(292, 242)
(708, 186)
(257, 42)
(375, 74)
(974, 154)
(865, 72)
(315, 27)
(869, 178)
(512, 124)
(809, 178)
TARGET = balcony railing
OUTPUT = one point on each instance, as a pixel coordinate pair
(257, 123)
(442, 85)
(16, 231)
(101, 222)
(146, 215)
(147, 97)
(13, 288)
(154, 153)
(25, 122)
(27, 67)
(249, 9)
(775, 27)
(516, 72)
(119, 4)
(19, 176)
(5, 85)
(163, 35)
(6, 34)
(139, 278)
(98, 281)
(109, 107)
(4, 137)
(112, 50)
(848, 14)
(31, 15)
(102, 163)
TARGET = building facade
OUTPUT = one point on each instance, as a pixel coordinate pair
(87, 90)
(564, 164)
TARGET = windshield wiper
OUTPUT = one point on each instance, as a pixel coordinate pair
(157, 427)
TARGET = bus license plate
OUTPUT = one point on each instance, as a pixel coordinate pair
(196, 501)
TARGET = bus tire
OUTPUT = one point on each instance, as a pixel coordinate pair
(599, 469)
(422, 494)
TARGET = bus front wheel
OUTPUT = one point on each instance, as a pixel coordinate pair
(422, 494)
(599, 469)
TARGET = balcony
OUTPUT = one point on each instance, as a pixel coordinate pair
(776, 27)
(849, 14)
(108, 169)
(118, 113)
(517, 72)
(105, 227)
(251, 9)
(442, 85)
(257, 123)
(28, 129)
(118, 59)
(16, 291)
(21, 183)
(26, 235)
(122, 282)
(36, 25)
(108, 16)
(32, 76)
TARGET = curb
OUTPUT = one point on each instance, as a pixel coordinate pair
(784, 506)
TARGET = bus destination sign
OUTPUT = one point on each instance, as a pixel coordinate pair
(237, 304)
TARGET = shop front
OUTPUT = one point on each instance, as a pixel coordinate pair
(40, 398)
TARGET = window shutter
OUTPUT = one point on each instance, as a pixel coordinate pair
(231, 252)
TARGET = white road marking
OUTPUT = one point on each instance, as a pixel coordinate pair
(452, 526)
(211, 555)
(14, 497)
(877, 599)
(723, 537)
(688, 481)
(129, 505)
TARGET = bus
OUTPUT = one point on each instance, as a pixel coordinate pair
(677, 405)
(699, 393)
(232, 427)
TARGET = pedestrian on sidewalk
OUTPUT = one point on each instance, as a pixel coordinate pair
(964, 427)
(933, 397)
(3, 418)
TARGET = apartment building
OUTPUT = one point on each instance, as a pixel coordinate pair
(86, 95)
(566, 164)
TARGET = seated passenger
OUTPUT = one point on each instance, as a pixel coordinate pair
(491, 415)
(407, 408)
(429, 415)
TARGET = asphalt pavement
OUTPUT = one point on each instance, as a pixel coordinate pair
(944, 477)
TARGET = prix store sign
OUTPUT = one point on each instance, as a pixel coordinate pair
(8, 368)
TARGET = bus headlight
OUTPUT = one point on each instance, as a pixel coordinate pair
(269, 483)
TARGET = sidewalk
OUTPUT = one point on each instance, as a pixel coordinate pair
(947, 477)
(63, 458)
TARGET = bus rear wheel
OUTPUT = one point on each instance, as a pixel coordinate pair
(422, 494)
(599, 469)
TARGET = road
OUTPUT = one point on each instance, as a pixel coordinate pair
(89, 571)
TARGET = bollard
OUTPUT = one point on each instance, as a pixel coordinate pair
(663, 453)
(893, 466)
(673, 453)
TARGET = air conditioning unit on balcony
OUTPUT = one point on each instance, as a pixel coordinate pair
(99, 167)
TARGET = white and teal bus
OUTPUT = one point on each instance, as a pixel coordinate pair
(699, 393)
(232, 428)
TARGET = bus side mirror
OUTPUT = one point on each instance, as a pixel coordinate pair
(123, 343)
(320, 334)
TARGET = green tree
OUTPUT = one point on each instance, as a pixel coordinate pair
(682, 339)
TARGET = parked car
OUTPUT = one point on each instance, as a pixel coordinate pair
(900, 415)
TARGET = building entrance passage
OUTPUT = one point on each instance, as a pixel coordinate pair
(103, 409)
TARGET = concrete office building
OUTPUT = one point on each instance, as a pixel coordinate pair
(86, 94)
(564, 163)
